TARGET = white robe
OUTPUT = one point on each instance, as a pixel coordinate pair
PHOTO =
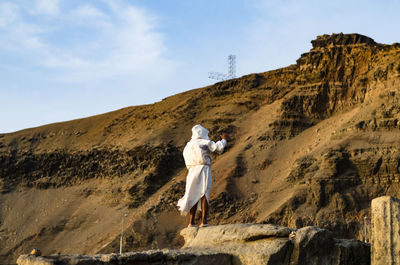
(197, 155)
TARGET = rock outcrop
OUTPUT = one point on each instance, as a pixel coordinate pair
(249, 243)
(236, 244)
(151, 257)
(313, 245)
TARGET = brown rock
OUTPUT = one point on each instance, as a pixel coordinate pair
(314, 246)
(232, 233)
(245, 244)
(153, 257)
(249, 243)
(341, 39)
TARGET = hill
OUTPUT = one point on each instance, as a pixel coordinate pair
(311, 144)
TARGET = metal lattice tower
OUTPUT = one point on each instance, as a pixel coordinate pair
(231, 70)
(232, 66)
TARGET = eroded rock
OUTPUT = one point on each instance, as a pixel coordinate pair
(232, 234)
(236, 244)
(314, 246)
(152, 257)
(249, 243)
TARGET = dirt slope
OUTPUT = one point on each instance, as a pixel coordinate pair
(312, 143)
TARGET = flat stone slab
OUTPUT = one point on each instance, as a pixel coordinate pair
(232, 233)
(249, 243)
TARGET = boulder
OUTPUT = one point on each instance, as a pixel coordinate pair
(314, 246)
(248, 243)
(231, 234)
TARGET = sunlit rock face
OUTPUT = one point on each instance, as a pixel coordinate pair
(310, 144)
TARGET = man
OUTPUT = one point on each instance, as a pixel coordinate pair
(197, 155)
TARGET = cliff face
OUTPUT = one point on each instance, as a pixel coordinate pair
(311, 144)
(348, 88)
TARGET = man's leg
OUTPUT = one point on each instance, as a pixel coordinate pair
(204, 210)
(192, 217)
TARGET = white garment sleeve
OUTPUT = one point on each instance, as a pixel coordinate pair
(217, 146)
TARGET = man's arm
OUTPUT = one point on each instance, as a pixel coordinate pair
(218, 146)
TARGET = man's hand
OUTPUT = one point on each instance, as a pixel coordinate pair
(224, 136)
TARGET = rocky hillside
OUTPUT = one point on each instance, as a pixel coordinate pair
(311, 144)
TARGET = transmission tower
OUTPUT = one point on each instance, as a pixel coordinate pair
(231, 70)
(232, 66)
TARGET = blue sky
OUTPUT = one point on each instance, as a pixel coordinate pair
(67, 59)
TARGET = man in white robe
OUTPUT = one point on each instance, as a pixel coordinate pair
(197, 155)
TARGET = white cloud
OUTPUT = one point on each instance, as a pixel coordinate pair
(65, 61)
(87, 43)
(126, 42)
(136, 41)
(8, 13)
(17, 35)
(88, 11)
(47, 7)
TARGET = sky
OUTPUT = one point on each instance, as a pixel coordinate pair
(67, 59)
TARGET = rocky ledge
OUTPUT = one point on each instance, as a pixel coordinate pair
(153, 257)
(342, 39)
(236, 244)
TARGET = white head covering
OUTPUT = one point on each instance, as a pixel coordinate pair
(199, 132)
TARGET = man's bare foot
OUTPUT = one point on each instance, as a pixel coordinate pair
(191, 225)
(204, 225)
